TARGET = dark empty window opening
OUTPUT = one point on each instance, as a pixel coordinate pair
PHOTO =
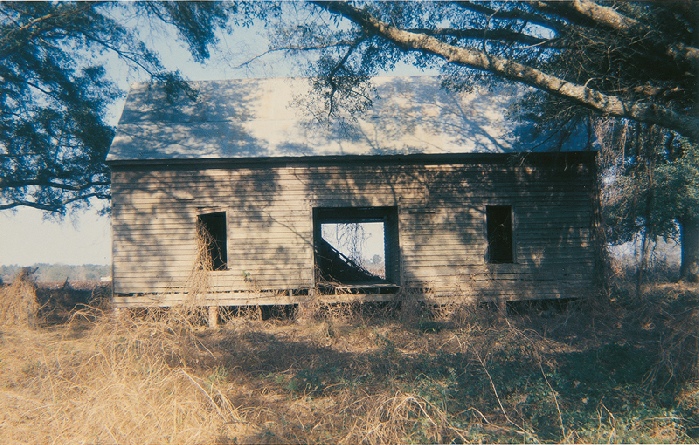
(356, 245)
(213, 247)
(499, 225)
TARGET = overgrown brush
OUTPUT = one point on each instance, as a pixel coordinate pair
(348, 373)
(674, 311)
(405, 418)
(18, 302)
(124, 380)
(58, 303)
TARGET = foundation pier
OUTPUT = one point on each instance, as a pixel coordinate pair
(213, 316)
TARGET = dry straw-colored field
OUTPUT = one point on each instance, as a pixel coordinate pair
(610, 369)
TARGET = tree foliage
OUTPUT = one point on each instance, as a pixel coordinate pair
(54, 90)
(652, 188)
(653, 182)
(635, 60)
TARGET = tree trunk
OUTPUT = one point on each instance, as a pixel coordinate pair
(689, 243)
(642, 264)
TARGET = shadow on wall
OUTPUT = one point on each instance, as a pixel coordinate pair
(268, 209)
(154, 220)
(442, 223)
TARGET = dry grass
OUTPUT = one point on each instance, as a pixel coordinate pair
(350, 374)
(19, 305)
(123, 380)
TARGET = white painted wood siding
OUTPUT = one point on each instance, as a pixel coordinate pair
(441, 223)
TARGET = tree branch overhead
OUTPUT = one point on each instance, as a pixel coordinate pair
(537, 71)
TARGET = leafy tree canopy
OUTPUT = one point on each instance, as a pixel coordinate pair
(54, 89)
(635, 60)
(631, 65)
(652, 182)
(652, 188)
(631, 60)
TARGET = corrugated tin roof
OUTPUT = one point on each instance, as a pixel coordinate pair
(265, 118)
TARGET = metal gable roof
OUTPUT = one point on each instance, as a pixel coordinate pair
(266, 118)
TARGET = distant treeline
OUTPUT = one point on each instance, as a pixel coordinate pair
(58, 272)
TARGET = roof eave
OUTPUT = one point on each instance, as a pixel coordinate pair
(418, 158)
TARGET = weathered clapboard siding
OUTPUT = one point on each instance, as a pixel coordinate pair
(441, 225)
(260, 251)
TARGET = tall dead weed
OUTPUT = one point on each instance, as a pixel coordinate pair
(18, 303)
(115, 380)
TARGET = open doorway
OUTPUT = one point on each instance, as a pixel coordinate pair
(356, 245)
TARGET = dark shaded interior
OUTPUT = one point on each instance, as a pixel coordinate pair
(499, 222)
(213, 227)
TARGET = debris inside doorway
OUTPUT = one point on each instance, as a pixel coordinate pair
(334, 266)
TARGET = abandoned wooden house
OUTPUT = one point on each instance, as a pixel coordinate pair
(243, 176)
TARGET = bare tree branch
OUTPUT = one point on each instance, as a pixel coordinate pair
(612, 19)
(53, 207)
(484, 34)
(512, 70)
(514, 14)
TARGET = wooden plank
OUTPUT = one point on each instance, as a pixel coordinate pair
(188, 240)
(139, 287)
(236, 274)
(301, 186)
(526, 173)
(244, 276)
(235, 268)
(456, 248)
(415, 261)
(290, 186)
(461, 269)
(242, 299)
(303, 202)
(217, 299)
(175, 218)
